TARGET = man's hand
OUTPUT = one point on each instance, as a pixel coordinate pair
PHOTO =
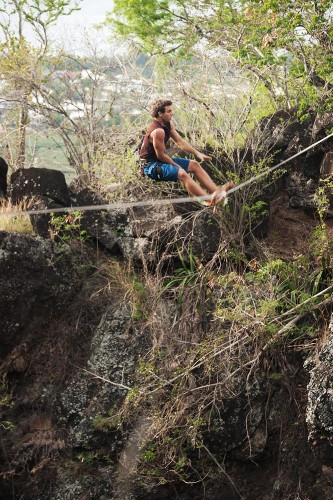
(203, 157)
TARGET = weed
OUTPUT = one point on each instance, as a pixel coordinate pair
(149, 454)
(183, 276)
(67, 227)
(119, 282)
(85, 457)
(112, 421)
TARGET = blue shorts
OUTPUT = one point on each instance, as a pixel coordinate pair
(159, 171)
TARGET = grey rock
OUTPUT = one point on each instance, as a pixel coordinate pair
(115, 348)
(319, 414)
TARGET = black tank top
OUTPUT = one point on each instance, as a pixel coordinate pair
(147, 151)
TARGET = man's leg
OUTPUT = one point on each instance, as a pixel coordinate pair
(193, 188)
(202, 176)
(172, 173)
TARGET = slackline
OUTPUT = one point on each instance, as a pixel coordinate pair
(163, 201)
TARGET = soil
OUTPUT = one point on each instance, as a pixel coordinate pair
(291, 229)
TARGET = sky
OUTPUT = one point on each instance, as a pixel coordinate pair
(72, 30)
(91, 12)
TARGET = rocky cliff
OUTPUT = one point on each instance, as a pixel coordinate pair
(146, 355)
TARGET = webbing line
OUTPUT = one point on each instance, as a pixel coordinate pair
(164, 201)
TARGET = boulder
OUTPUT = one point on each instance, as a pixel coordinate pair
(240, 419)
(326, 167)
(321, 125)
(40, 188)
(102, 226)
(3, 178)
(36, 182)
(319, 415)
(301, 192)
(304, 172)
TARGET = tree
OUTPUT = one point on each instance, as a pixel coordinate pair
(20, 66)
(86, 105)
(288, 45)
(74, 102)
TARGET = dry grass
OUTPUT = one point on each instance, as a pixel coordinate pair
(227, 334)
(15, 223)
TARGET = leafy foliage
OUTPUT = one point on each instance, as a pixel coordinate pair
(21, 63)
(67, 227)
(287, 45)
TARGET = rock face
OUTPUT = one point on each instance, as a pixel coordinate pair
(319, 416)
(70, 378)
(303, 172)
(320, 405)
(38, 279)
(88, 406)
(114, 351)
(285, 136)
(68, 361)
(69, 383)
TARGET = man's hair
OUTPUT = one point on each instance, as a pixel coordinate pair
(159, 107)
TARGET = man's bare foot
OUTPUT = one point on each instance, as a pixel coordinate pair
(220, 194)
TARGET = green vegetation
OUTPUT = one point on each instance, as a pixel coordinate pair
(15, 224)
(183, 276)
(254, 315)
(67, 227)
(286, 45)
(21, 63)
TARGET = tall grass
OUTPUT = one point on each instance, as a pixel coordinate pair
(14, 223)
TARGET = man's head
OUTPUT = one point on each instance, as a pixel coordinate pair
(159, 107)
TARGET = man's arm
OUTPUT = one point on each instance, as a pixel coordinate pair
(184, 146)
(158, 143)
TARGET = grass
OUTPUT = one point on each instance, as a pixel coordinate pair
(14, 223)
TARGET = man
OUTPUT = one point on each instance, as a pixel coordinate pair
(161, 167)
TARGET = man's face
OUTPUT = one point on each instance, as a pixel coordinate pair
(167, 115)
